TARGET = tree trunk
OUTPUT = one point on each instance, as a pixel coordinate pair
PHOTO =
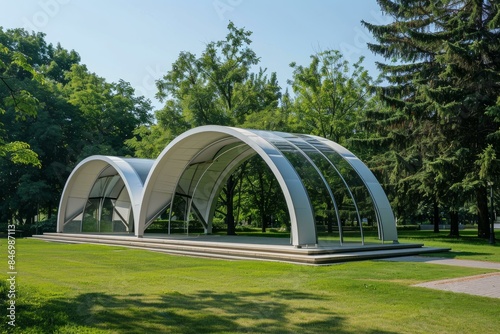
(483, 224)
(231, 229)
(454, 232)
(49, 214)
(230, 186)
(436, 219)
(264, 222)
(329, 218)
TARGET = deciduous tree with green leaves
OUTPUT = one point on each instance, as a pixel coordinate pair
(53, 114)
(331, 95)
(219, 88)
(15, 70)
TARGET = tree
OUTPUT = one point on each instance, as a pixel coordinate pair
(330, 95)
(17, 76)
(54, 112)
(443, 80)
(214, 88)
(283, 117)
(217, 87)
(111, 111)
(15, 70)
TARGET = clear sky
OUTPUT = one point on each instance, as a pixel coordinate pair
(137, 41)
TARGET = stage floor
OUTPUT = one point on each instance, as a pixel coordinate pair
(247, 247)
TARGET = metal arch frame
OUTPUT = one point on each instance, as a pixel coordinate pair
(385, 216)
(161, 183)
(322, 154)
(84, 175)
(151, 184)
(228, 169)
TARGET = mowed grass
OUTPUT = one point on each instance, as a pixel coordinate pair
(71, 288)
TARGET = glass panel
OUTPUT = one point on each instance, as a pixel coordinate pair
(73, 226)
(91, 216)
(317, 189)
(178, 214)
(227, 159)
(100, 214)
(261, 201)
(98, 188)
(106, 223)
(345, 210)
(361, 195)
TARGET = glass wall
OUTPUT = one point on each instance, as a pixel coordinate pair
(337, 202)
(355, 204)
(108, 207)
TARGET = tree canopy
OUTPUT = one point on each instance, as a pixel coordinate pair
(54, 113)
(442, 90)
(429, 128)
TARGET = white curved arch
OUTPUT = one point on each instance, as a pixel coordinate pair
(197, 162)
(83, 177)
(184, 150)
(386, 222)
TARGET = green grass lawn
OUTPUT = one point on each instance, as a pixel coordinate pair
(64, 288)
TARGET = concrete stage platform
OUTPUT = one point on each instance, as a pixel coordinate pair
(247, 248)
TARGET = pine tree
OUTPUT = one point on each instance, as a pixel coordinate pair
(443, 81)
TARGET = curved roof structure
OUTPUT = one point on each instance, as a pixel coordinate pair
(120, 180)
(315, 175)
(197, 163)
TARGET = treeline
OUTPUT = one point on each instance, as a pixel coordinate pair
(428, 127)
(53, 113)
(224, 85)
(440, 135)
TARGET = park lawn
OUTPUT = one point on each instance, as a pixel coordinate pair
(465, 247)
(77, 288)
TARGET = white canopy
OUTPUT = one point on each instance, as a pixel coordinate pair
(198, 162)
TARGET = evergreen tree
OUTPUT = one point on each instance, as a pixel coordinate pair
(443, 80)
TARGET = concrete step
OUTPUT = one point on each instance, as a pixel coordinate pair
(218, 248)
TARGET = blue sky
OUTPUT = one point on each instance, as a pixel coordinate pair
(137, 41)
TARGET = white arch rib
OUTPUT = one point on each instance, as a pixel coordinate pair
(84, 176)
(161, 183)
(386, 221)
(151, 184)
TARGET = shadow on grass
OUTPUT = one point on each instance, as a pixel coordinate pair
(173, 312)
(466, 237)
(466, 245)
(453, 254)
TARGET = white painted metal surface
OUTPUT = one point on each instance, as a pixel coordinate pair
(81, 181)
(162, 182)
(196, 165)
